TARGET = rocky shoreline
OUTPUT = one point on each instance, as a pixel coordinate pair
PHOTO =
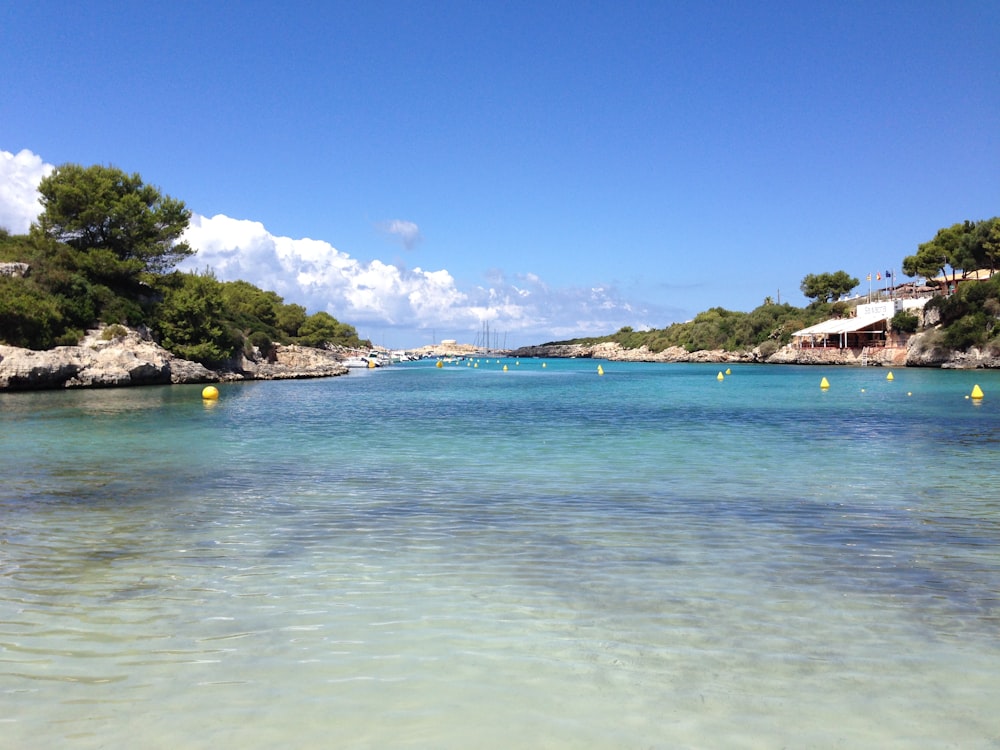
(130, 359)
(916, 351)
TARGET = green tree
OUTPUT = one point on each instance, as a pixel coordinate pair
(245, 301)
(825, 287)
(28, 316)
(103, 208)
(949, 250)
(318, 329)
(290, 318)
(322, 328)
(986, 243)
(191, 319)
(905, 322)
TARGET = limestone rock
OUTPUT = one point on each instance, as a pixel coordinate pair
(116, 356)
(294, 361)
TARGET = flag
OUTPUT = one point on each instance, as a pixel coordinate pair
(878, 276)
(888, 274)
(869, 277)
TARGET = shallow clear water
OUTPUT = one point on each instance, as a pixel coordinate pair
(466, 557)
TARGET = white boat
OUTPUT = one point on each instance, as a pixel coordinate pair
(372, 359)
(358, 362)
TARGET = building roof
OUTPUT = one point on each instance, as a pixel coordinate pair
(841, 325)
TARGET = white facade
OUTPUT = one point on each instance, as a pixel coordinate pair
(884, 308)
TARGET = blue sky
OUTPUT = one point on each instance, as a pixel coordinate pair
(557, 168)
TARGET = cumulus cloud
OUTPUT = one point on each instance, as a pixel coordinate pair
(321, 277)
(373, 296)
(20, 174)
(405, 232)
(377, 295)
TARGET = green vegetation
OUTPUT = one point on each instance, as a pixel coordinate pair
(904, 322)
(960, 248)
(826, 287)
(105, 247)
(968, 317)
(719, 328)
(104, 250)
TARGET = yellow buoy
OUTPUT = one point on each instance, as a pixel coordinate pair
(505, 368)
(210, 393)
(600, 370)
(543, 364)
(824, 384)
(728, 371)
(439, 364)
(889, 376)
(475, 365)
(977, 392)
(720, 376)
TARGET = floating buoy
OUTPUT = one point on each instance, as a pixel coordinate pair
(505, 368)
(909, 393)
(728, 371)
(824, 384)
(889, 376)
(439, 364)
(210, 393)
(600, 370)
(977, 392)
(543, 364)
(720, 376)
(517, 363)
(477, 364)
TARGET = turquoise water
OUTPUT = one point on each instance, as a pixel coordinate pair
(465, 557)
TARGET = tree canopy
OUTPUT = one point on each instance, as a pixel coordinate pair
(826, 287)
(99, 208)
(104, 250)
(960, 248)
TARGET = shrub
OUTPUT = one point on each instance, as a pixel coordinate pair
(262, 341)
(114, 331)
(769, 347)
(904, 322)
(71, 337)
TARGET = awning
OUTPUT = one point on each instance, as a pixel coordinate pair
(840, 325)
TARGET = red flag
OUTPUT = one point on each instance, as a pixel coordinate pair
(878, 276)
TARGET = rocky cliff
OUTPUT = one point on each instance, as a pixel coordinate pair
(103, 360)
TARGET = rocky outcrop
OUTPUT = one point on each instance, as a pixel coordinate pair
(294, 362)
(614, 352)
(925, 351)
(14, 269)
(104, 360)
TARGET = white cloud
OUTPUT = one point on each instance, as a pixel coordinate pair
(19, 177)
(406, 232)
(377, 298)
(320, 277)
